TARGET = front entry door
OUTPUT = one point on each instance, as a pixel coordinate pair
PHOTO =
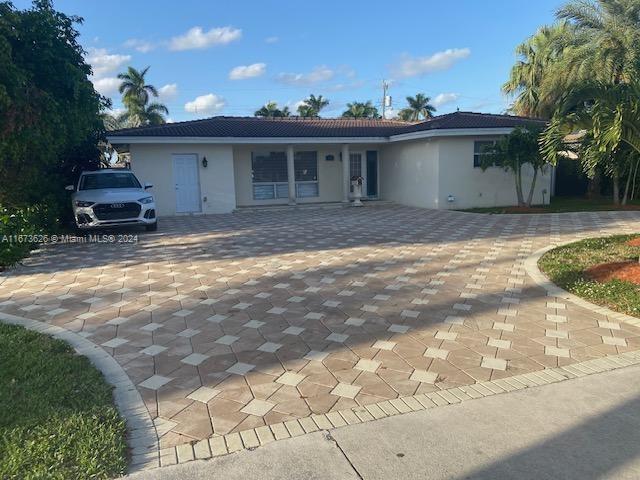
(355, 169)
(185, 175)
(365, 165)
(372, 174)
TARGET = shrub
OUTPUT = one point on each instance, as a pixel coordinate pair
(17, 225)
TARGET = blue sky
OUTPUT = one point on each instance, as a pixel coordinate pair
(229, 58)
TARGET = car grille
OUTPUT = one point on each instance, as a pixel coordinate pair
(116, 211)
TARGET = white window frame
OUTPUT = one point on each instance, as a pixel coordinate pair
(308, 182)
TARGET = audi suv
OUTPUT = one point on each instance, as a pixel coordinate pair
(112, 197)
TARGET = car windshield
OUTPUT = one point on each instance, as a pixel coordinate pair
(108, 180)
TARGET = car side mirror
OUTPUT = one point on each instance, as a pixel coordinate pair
(70, 188)
(148, 185)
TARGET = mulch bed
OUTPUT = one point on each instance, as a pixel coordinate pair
(626, 271)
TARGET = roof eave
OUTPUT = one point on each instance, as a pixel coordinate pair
(242, 140)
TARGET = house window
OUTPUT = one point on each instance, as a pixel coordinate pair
(479, 151)
(306, 170)
(269, 175)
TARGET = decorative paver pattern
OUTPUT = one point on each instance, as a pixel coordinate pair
(230, 323)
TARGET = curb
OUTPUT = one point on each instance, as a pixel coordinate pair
(531, 266)
(142, 437)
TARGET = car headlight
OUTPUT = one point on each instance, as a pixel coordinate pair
(82, 203)
(146, 200)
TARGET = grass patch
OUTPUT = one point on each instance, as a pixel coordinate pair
(562, 205)
(57, 418)
(565, 267)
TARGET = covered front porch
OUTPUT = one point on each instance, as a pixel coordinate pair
(295, 174)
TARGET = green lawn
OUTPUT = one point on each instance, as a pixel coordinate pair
(57, 418)
(565, 266)
(562, 204)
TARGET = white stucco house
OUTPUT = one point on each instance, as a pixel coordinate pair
(218, 164)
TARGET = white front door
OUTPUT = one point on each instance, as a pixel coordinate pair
(185, 176)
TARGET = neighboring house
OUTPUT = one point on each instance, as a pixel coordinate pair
(217, 164)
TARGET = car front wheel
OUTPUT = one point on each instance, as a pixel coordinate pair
(153, 227)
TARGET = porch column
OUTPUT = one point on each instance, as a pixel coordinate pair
(291, 175)
(346, 178)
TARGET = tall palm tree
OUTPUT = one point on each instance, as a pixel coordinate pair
(361, 110)
(136, 94)
(527, 79)
(418, 107)
(134, 88)
(271, 110)
(312, 106)
(608, 36)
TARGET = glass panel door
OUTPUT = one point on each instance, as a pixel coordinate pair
(355, 167)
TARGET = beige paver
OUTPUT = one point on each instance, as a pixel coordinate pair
(228, 323)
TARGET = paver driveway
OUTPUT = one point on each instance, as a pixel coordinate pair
(230, 322)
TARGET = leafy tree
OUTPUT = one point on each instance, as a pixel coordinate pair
(271, 110)
(136, 95)
(312, 106)
(361, 110)
(512, 152)
(418, 107)
(50, 120)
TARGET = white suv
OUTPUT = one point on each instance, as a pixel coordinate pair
(112, 197)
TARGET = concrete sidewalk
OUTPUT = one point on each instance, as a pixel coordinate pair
(585, 428)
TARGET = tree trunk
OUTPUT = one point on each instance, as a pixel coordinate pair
(633, 184)
(626, 187)
(518, 178)
(533, 186)
(616, 189)
(593, 187)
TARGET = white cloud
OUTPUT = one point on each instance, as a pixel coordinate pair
(414, 66)
(319, 74)
(106, 86)
(444, 98)
(142, 46)
(205, 104)
(168, 92)
(242, 72)
(271, 39)
(340, 87)
(197, 38)
(102, 62)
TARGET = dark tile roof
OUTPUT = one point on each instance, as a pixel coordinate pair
(318, 127)
(473, 120)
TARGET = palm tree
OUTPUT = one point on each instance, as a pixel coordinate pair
(312, 106)
(306, 111)
(136, 94)
(271, 110)
(419, 106)
(608, 37)
(361, 110)
(528, 76)
(609, 114)
(134, 88)
(151, 114)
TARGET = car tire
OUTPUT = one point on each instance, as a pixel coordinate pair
(152, 228)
